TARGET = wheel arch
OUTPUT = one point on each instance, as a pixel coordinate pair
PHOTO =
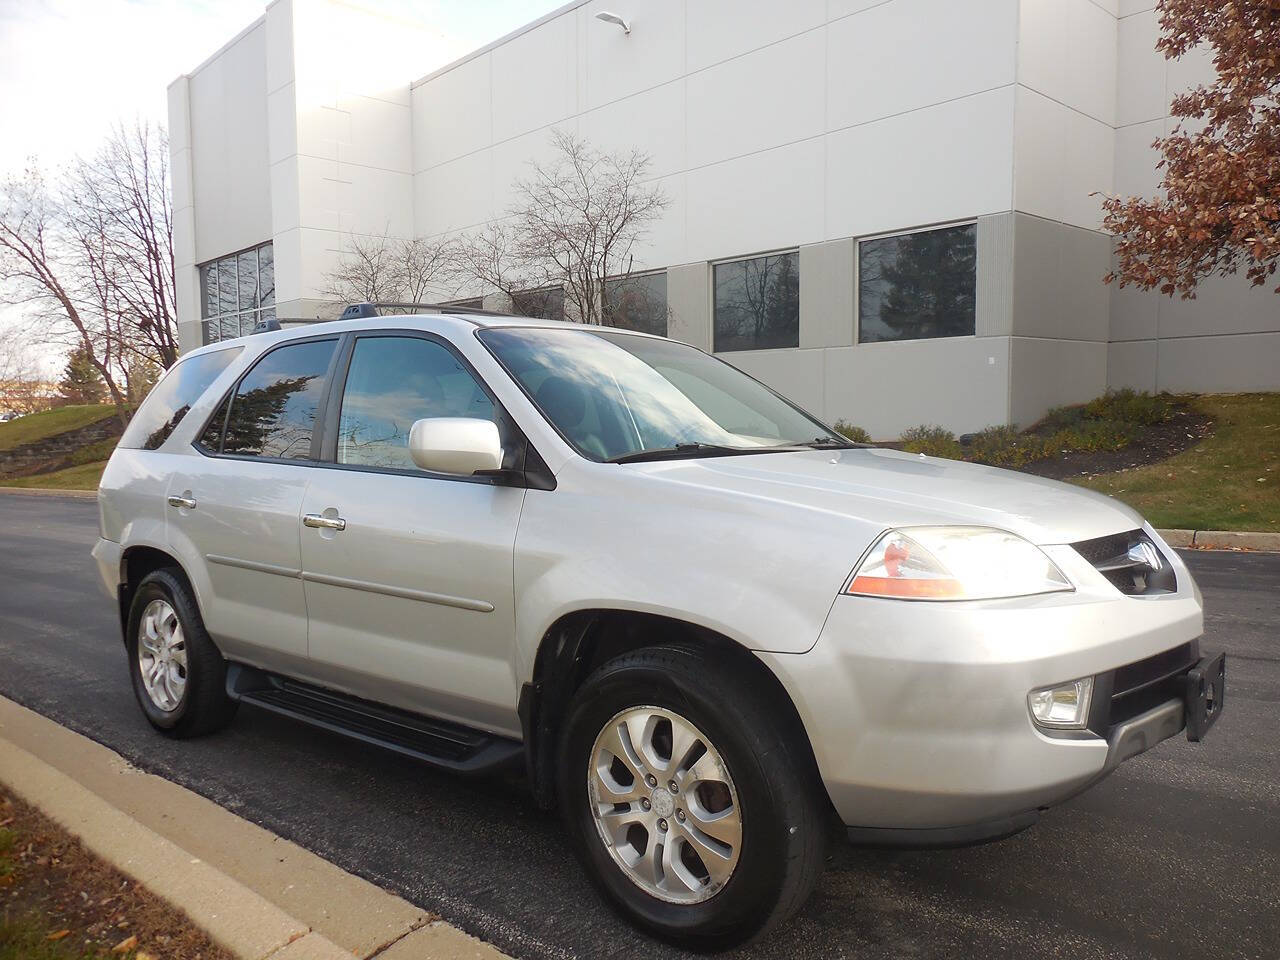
(135, 563)
(582, 640)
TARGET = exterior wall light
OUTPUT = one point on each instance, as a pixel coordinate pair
(614, 18)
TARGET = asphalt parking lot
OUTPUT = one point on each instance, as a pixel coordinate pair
(1176, 855)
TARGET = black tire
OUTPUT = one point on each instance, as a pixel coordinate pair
(204, 705)
(781, 799)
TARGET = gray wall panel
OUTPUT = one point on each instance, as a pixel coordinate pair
(826, 294)
(995, 276)
(689, 299)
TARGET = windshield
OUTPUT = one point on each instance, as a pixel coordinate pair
(613, 395)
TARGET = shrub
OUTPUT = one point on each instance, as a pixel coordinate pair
(933, 441)
(1061, 418)
(852, 432)
(1006, 447)
(1130, 406)
(1094, 435)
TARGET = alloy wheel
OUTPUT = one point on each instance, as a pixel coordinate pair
(665, 805)
(162, 655)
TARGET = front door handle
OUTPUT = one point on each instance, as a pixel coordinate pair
(187, 502)
(321, 522)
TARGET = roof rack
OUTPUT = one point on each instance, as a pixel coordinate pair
(355, 311)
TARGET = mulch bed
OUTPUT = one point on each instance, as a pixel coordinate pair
(49, 879)
(1157, 442)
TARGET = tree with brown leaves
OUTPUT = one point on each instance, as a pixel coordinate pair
(1220, 204)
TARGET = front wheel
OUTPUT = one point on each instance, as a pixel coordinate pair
(692, 804)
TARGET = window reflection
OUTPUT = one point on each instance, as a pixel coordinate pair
(638, 303)
(757, 303)
(546, 303)
(918, 285)
(273, 411)
(610, 394)
(239, 291)
(393, 382)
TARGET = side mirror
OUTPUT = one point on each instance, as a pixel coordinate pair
(461, 445)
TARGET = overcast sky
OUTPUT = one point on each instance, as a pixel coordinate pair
(70, 69)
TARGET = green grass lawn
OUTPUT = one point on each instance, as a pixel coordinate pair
(1230, 481)
(83, 477)
(37, 426)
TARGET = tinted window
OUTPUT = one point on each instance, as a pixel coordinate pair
(392, 382)
(638, 303)
(546, 303)
(173, 396)
(758, 303)
(273, 411)
(918, 285)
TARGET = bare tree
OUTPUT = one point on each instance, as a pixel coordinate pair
(23, 389)
(388, 270)
(90, 260)
(574, 225)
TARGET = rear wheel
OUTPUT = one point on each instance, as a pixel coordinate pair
(179, 677)
(696, 811)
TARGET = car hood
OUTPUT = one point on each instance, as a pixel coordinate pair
(894, 489)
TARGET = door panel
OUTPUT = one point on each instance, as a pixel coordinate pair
(408, 574)
(412, 603)
(238, 516)
(243, 532)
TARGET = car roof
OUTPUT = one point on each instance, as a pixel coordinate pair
(430, 322)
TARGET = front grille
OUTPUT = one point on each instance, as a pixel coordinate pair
(1131, 561)
(1135, 688)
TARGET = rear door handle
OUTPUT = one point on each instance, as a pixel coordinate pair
(187, 502)
(323, 523)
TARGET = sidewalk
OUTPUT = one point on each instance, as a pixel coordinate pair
(258, 895)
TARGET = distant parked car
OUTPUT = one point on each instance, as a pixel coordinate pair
(702, 621)
(9, 415)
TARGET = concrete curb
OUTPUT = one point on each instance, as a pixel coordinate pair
(256, 894)
(46, 492)
(1222, 540)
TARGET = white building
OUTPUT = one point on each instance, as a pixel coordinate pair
(823, 134)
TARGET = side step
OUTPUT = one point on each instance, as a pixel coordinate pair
(437, 742)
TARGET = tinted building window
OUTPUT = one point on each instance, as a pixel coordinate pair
(273, 411)
(546, 303)
(757, 303)
(238, 291)
(173, 396)
(918, 285)
(638, 303)
(392, 382)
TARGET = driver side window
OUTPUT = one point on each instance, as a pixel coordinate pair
(392, 382)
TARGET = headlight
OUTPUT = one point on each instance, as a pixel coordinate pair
(955, 563)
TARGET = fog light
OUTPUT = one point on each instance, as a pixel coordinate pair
(1063, 706)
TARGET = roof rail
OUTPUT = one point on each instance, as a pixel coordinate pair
(354, 311)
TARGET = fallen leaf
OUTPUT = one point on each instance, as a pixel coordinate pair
(59, 935)
(125, 945)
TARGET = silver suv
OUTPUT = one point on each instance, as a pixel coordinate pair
(705, 624)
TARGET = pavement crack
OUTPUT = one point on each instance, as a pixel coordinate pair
(413, 928)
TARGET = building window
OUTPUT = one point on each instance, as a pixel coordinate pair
(470, 303)
(917, 286)
(545, 303)
(236, 292)
(757, 303)
(638, 302)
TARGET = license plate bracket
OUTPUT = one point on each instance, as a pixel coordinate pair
(1205, 695)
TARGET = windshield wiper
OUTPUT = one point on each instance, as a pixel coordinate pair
(683, 450)
(831, 443)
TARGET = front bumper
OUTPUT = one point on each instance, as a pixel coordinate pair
(917, 712)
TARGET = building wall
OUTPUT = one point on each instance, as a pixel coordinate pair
(809, 125)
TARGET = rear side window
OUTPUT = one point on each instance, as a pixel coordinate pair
(173, 396)
(273, 410)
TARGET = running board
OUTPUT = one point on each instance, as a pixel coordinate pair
(437, 742)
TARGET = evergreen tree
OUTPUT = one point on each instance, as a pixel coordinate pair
(81, 381)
